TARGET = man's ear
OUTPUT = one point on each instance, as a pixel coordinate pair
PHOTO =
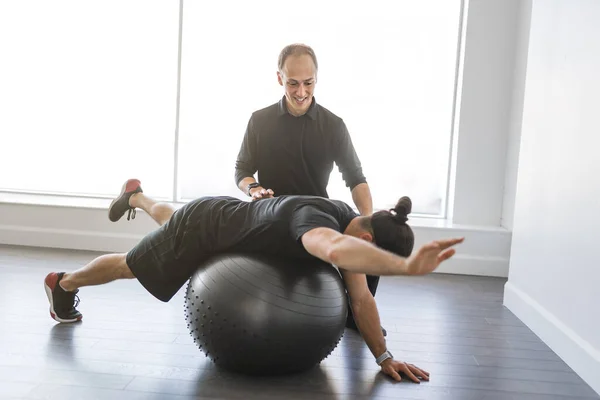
(279, 78)
(366, 236)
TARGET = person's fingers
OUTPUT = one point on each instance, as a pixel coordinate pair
(426, 249)
(419, 372)
(435, 246)
(409, 373)
(445, 243)
(446, 255)
(392, 372)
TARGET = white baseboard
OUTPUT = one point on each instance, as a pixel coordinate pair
(577, 353)
(466, 264)
(485, 251)
(67, 239)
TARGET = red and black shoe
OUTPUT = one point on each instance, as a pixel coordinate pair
(120, 205)
(62, 303)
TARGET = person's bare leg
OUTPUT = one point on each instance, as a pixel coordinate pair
(101, 270)
(62, 287)
(160, 212)
(132, 197)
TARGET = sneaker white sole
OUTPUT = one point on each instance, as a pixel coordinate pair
(52, 312)
(117, 198)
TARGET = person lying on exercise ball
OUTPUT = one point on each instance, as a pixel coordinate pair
(292, 226)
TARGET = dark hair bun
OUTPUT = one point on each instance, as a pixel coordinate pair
(403, 207)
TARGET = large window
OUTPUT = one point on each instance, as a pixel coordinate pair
(87, 95)
(91, 91)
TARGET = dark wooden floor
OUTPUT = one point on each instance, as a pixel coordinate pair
(131, 346)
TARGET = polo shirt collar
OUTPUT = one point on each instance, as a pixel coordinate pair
(311, 113)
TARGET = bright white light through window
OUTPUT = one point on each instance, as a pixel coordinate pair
(88, 91)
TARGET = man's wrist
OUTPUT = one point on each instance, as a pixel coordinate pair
(250, 187)
(254, 190)
(401, 266)
(386, 355)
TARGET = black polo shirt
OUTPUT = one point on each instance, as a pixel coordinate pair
(295, 155)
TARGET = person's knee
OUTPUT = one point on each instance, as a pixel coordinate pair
(123, 270)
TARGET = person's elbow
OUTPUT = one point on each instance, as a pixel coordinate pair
(355, 179)
(334, 249)
(241, 172)
(332, 255)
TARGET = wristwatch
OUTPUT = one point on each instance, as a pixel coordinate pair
(386, 354)
(251, 186)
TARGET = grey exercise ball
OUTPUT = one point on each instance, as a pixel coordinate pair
(262, 315)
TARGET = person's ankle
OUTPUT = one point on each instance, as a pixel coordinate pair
(133, 200)
(66, 284)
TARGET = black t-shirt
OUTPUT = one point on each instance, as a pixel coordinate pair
(272, 226)
(295, 155)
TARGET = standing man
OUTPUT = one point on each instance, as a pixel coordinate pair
(293, 144)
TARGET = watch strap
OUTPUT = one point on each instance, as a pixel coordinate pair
(251, 186)
(386, 354)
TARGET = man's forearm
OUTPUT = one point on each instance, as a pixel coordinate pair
(243, 184)
(357, 255)
(361, 195)
(367, 319)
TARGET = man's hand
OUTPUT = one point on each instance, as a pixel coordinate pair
(430, 256)
(260, 192)
(392, 368)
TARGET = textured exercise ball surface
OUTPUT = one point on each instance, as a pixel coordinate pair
(265, 315)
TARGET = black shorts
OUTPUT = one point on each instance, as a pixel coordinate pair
(166, 258)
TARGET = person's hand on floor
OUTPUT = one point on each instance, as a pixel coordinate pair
(395, 368)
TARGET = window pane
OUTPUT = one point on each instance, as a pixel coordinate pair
(87, 93)
(387, 69)
(396, 96)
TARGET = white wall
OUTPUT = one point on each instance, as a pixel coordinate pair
(554, 279)
(523, 22)
(485, 106)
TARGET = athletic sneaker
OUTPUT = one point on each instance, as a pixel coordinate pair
(62, 303)
(120, 205)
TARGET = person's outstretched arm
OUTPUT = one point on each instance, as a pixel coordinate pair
(357, 255)
(367, 319)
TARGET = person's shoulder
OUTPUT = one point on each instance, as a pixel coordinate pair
(326, 113)
(344, 207)
(330, 118)
(262, 118)
(266, 112)
(319, 202)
